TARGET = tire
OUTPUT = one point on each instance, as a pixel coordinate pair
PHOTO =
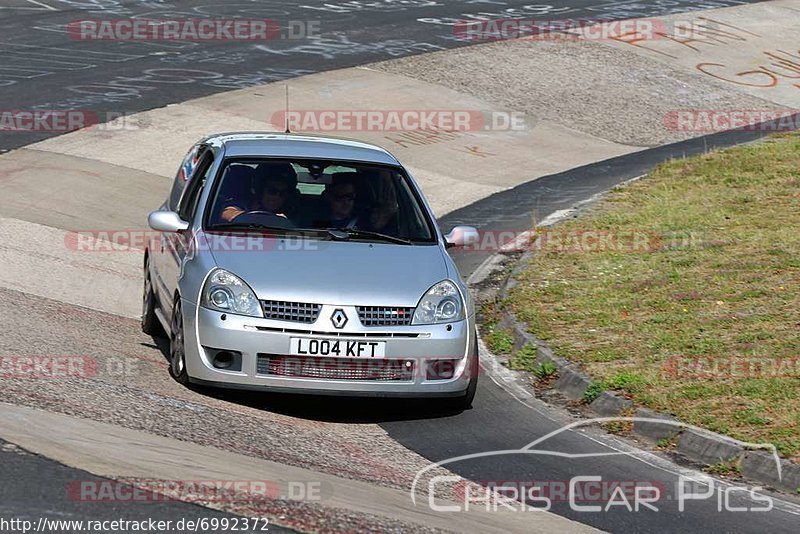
(150, 323)
(177, 348)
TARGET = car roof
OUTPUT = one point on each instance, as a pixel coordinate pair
(243, 144)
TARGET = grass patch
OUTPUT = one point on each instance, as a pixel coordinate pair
(729, 468)
(524, 359)
(667, 444)
(627, 381)
(666, 282)
(545, 370)
(500, 341)
(593, 391)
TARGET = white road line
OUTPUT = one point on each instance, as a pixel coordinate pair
(521, 242)
(556, 216)
(51, 8)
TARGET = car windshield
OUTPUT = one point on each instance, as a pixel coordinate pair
(347, 200)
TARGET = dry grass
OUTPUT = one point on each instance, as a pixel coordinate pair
(721, 283)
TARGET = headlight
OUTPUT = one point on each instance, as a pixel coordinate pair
(441, 304)
(227, 292)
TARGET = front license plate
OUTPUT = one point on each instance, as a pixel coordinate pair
(340, 348)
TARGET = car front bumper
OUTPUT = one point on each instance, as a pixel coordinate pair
(206, 333)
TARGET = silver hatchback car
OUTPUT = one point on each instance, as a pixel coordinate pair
(305, 264)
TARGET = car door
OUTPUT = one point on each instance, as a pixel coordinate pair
(174, 246)
(157, 249)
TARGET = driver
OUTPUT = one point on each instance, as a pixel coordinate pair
(274, 184)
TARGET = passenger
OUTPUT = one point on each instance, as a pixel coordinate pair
(382, 218)
(340, 198)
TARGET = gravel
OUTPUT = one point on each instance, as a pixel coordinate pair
(132, 389)
(611, 93)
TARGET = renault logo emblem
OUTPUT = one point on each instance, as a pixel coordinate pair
(339, 318)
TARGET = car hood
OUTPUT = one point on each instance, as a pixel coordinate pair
(345, 273)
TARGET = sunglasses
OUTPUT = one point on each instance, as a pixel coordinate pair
(348, 198)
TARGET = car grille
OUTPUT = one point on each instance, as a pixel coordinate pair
(385, 315)
(371, 334)
(335, 368)
(298, 312)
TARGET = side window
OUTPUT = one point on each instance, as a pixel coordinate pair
(185, 170)
(188, 202)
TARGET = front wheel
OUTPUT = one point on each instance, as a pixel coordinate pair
(177, 348)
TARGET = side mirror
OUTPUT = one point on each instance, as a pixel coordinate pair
(166, 221)
(462, 236)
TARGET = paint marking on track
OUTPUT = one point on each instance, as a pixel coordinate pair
(42, 4)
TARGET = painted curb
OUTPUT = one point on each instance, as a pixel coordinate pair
(705, 447)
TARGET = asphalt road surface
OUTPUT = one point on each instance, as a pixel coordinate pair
(32, 489)
(497, 422)
(44, 69)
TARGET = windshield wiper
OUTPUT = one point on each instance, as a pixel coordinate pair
(265, 227)
(343, 234)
